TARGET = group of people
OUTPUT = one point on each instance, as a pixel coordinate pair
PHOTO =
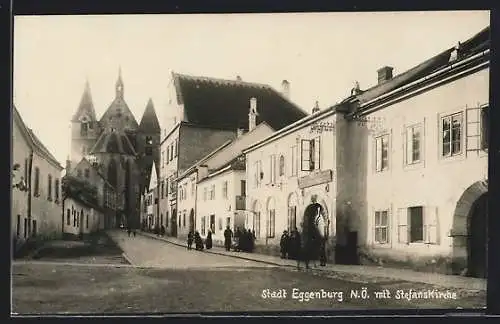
(310, 248)
(244, 240)
(198, 241)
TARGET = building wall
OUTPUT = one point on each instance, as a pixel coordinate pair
(20, 154)
(46, 210)
(436, 183)
(168, 171)
(186, 190)
(75, 224)
(222, 207)
(285, 191)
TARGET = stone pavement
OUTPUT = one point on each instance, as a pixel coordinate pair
(448, 281)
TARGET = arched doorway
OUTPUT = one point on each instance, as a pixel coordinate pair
(470, 231)
(191, 221)
(477, 245)
(174, 222)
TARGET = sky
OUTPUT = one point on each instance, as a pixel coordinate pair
(320, 54)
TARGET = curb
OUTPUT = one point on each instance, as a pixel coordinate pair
(219, 253)
(126, 257)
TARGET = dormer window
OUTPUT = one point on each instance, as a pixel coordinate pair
(149, 140)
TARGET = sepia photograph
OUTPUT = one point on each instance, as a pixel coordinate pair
(202, 163)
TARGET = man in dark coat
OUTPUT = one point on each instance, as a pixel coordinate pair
(228, 236)
(294, 244)
(237, 237)
(284, 242)
(208, 241)
(190, 239)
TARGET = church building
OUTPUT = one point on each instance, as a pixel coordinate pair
(119, 147)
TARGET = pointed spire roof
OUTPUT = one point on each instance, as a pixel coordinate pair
(153, 181)
(86, 106)
(149, 122)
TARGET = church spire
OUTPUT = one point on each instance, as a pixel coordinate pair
(149, 121)
(119, 84)
(86, 107)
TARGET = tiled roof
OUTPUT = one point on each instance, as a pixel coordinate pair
(118, 107)
(113, 142)
(225, 103)
(474, 45)
(149, 121)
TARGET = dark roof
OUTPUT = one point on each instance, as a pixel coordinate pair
(92, 167)
(86, 105)
(149, 122)
(474, 45)
(113, 142)
(225, 103)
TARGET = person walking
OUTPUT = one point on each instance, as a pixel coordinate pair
(190, 240)
(208, 241)
(237, 238)
(284, 242)
(228, 236)
(128, 231)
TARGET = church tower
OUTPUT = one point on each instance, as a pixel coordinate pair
(148, 146)
(84, 127)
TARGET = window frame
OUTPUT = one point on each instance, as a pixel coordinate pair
(271, 223)
(442, 142)
(377, 154)
(36, 188)
(281, 166)
(49, 187)
(379, 226)
(409, 144)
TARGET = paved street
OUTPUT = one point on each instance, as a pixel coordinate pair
(177, 280)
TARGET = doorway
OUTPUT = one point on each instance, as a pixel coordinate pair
(191, 221)
(477, 245)
(174, 222)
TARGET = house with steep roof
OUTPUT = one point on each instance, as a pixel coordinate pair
(417, 163)
(36, 189)
(203, 114)
(119, 147)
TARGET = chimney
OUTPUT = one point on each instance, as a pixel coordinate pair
(240, 132)
(252, 115)
(384, 74)
(238, 78)
(285, 85)
(316, 108)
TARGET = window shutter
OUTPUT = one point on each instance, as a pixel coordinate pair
(431, 225)
(378, 154)
(409, 145)
(473, 130)
(403, 225)
(388, 224)
(317, 153)
(312, 155)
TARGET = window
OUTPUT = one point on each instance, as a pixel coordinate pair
(36, 191)
(224, 190)
(87, 173)
(271, 223)
(418, 224)
(162, 189)
(205, 194)
(84, 129)
(258, 173)
(26, 170)
(57, 190)
(176, 147)
(149, 150)
(485, 127)
(25, 227)
(79, 173)
(256, 224)
(49, 187)
(74, 218)
(220, 224)
(184, 219)
(68, 217)
(34, 228)
(310, 154)
(171, 151)
(179, 220)
(212, 192)
(381, 227)
(228, 222)
(87, 221)
(282, 166)
(203, 225)
(272, 169)
(293, 163)
(212, 224)
(292, 218)
(149, 140)
(451, 134)
(413, 144)
(243, 185)
(381, 153)
(416, 220)
(18, 226)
